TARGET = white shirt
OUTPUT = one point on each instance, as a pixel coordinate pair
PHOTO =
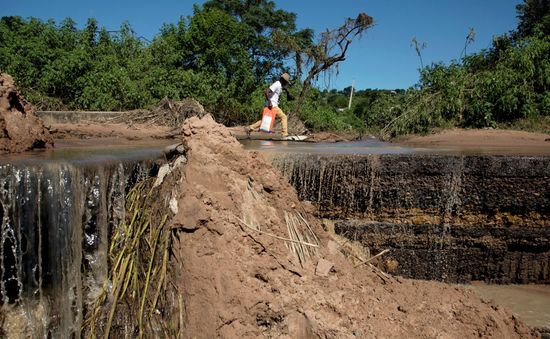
(276, 90)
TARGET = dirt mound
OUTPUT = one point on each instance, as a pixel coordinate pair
(253, 261)
(20, 128)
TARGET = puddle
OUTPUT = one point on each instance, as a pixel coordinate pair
(530, 302)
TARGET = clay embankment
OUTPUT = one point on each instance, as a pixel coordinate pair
(20, 128)
(240, 279)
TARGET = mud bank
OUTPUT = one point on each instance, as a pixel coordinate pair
(242, 254)
(240, 278)
(450, 218)
(20, 127)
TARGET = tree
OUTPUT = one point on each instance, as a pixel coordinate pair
(264, 23)
(330, 50)
(90, 32)
(534, 18)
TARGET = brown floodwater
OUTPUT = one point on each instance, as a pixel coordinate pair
(369, 146)
(530, 302)
(100, 150)
(375, 146)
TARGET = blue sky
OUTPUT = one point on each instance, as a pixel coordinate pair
(383, 58)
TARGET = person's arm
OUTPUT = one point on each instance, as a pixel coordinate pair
(268, 94)
(289, 96)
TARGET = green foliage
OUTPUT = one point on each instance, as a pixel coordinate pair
(508, 83)
(380, 110)
(79, 69)
(337, 100)
(325, 118)
(319, 116)
(226, 51)
(534, 19)
(262, 21)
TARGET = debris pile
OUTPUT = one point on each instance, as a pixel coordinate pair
(166, 113)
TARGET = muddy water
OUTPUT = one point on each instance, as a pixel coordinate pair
(370, 146)
(374, 146)
(530, 302)
(90, 151)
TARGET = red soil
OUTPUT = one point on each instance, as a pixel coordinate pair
(241, 282)
(20, 128)
(491, 140)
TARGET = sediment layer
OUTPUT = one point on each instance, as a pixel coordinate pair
(454, 253)
(451, 218)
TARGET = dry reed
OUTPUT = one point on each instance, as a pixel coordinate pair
(138, 259)
(301, 232)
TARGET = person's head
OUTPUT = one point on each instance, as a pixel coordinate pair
(285, 78)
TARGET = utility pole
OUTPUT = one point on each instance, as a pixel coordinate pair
(351, 93)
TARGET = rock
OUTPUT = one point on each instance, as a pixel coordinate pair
(391, 265)
(20, 127)
(181, 160)
(163, 171)
(174, 205)
(323, 267)
(403, 309)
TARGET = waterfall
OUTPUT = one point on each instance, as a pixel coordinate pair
(56, 218)
(444, 217)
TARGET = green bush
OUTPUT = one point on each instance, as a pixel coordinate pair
(61, 66)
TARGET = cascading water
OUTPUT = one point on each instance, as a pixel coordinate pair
(444, 217)
(56, 218)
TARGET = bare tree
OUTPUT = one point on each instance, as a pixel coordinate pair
(418, 47)
(331, 49)
(470, 38)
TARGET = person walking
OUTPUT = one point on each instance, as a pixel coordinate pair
(273, 94)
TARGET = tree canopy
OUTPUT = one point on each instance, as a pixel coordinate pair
(499, 86)
(229, 50)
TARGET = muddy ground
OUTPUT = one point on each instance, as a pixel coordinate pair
(493, 140)
(241, 276)
(110, 130)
